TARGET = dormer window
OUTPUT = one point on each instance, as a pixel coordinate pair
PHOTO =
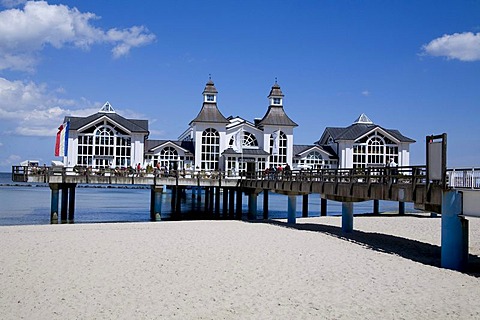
(210, 98)
(276, 101)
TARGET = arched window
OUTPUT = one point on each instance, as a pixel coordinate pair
(374, 150)
(281, 157)
(313, 160)
(168, 157)
(103, 146)
(248, 140)
(210, 149)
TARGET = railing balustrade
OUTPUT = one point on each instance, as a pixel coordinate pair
(414, 175)
(401, 175)
(464, 178)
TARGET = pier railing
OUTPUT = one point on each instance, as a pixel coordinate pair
(46, 174)
(399, 175)
(464, 178)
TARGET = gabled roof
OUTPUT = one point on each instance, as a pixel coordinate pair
(360, 127)
(300, 148)
(150, 145)
(357, 130)
(133, 125)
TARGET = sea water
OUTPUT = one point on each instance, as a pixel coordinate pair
(27, 203)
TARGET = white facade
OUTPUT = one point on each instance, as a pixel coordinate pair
(105, 140)
(365, 144)
(214, 142)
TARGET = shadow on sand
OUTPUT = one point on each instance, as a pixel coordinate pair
(414, 250)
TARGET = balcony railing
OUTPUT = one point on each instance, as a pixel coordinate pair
(464, 178)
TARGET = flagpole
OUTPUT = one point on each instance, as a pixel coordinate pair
(241, 146)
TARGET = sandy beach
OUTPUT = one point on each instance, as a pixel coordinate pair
(386, 269)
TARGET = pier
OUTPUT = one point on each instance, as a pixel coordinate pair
(455, 199)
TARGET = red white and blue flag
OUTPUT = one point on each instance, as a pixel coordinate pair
(61, 144)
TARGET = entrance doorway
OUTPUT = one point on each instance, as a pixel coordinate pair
(250, 169)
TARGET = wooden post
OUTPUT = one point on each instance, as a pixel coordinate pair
(225, 203)
(305, 206)
(265, 204)
(239, 204)
(178, 204)
(156, 205)
(173, 201)
(71, 205)
(54, 203)
(217, 202)
(252, 206)
(212, 202)
(231, 208)
(207, 201)
(63, 215)
(323, 207)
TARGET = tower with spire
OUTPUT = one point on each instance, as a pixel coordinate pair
(276, 124)
(207, 130)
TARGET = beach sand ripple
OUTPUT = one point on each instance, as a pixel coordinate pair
(386, 269)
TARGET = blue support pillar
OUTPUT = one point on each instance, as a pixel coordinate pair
(71, 202)
(64, 208)
(376, 206)
(323, 207)
(238, 204)
(347, 216)
(292, 209)
(54, 203)
(156, 206)
(252, 206)
(401, 208)
(454, 251)
(305, 206)
(265, 204)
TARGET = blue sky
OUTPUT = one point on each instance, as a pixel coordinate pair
(408, 65)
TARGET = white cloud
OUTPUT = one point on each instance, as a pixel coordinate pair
(10, 160)
(12, 3)
(1, 144)
(25, 32)
(34, 110)
(366, 93)
(462, 46)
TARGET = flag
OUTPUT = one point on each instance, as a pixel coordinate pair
(61, 143)
(238, 140)
(276, 142)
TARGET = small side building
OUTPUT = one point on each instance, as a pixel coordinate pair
(105, 139)
(365, 144)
